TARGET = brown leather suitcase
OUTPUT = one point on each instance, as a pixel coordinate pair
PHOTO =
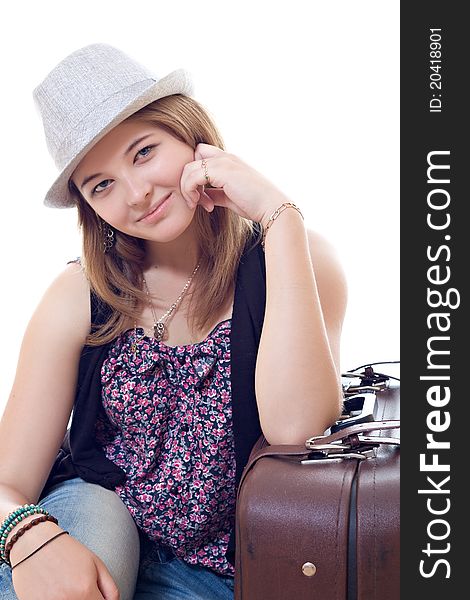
(321, 522)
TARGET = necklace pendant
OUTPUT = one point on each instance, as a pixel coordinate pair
(158, 331)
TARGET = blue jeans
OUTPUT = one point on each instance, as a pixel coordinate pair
(98, 519)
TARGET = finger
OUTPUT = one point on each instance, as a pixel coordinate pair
(205, 201)
(193, 179)
(219, 198)
(105, 582)
(207, 151)
(189, 185)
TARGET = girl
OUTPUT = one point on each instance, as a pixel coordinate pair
(201, 314)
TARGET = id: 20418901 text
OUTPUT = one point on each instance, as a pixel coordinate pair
(435, 66)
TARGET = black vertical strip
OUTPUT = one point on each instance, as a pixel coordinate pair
(434, 59)
(247, 322)
(352, 540)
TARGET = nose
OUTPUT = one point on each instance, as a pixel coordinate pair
(138, 190)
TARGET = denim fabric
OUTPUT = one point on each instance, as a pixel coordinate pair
(163, 576)
(98, 518)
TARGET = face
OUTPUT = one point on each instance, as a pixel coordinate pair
(131, 178)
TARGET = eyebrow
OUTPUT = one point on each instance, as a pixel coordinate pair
(129, 149)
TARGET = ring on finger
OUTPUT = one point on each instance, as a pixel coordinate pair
(206, 173)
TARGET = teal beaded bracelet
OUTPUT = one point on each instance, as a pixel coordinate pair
(13, 519)
(12, 516)
(15, 515)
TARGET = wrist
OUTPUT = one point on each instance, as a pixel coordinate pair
(275, 214)
(271, 209)
(19, 525)
(31, 539)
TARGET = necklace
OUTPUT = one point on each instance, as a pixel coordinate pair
(159, 327)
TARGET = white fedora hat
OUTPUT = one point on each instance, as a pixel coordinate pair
(87, 94)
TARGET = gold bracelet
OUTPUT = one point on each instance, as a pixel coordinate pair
(275, 215)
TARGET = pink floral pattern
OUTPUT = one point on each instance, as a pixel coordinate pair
(170, 430)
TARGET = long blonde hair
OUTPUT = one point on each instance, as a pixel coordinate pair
(116, 276)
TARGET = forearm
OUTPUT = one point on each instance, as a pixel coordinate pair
(297, 383)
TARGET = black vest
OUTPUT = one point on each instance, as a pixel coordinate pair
(81, 456)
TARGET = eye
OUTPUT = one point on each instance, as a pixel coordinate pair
(143, 152)
(103, 185)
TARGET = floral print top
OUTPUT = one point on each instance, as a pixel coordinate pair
(170, 430)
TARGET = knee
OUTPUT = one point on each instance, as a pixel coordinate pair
(98, 518)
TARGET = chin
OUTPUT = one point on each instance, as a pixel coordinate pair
(169, 232)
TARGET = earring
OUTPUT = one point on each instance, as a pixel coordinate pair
(108, 237)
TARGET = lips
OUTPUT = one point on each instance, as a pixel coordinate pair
(154, 208)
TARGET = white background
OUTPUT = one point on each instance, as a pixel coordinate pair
(308, 92)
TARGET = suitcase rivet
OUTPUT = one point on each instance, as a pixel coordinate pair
(309, 569)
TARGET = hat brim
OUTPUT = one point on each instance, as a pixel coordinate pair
(105, 117)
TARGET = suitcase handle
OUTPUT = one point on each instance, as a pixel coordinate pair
(349, 439)
(348, 434)
(351, 445)
(350, 442)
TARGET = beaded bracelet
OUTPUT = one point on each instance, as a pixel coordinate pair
(26, 509)
(9, 518)
(275, 215)
(23, 530)
(13, 519)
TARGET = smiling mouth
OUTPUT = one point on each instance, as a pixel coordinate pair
(155, 208)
